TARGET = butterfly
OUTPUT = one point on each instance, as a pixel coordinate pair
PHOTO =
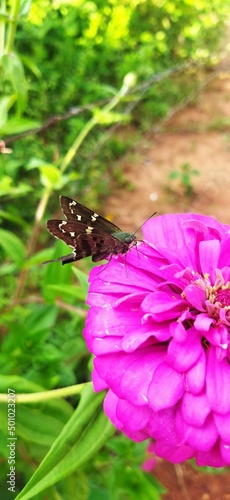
(88, 233)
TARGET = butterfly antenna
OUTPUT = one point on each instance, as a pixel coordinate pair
(150, 217)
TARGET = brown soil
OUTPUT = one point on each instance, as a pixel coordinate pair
(198, 135)
(184, 482)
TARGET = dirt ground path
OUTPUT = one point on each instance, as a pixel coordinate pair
(198, 135)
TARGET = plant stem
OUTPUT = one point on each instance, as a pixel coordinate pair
(32, 243)
(15, 7)
(2, 28)
(47, 395)
(128, 82)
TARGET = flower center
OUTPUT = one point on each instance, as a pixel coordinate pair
(218, 303)
(219, 294)
(215, 304)
(223, 296)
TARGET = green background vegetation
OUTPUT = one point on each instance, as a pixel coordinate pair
(71, 72)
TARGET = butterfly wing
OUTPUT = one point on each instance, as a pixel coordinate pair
(75, 211)
(88, 233)
(86, 241)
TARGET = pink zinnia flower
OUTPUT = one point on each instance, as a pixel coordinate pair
(159, 327)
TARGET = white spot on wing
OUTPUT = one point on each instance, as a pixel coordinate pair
(72, 203)
(89, 230)
(63, 223)
(94, 217)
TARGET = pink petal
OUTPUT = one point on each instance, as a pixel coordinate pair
(174, 454)
(137, 337)
(209, 256)
(200, 438)
(224, 258)
(203, 322)
(118, 417)
(223, 425)
(110, 407)
(129, 375)
(160, 331)
(218, 336)
(166, 232)
(106, 345)
(134, 418)
(211, 458)
(183, 355)
(166, 387)
(149, 464)
(218, 382)
(138, 375)
(195, 409)
(119, 272)
(162, 306)
(195, 377)
(225, 452)
(98, 383)
(196, 296)
(107, 321)
(170, 273)
(162, 426)
(178, 331)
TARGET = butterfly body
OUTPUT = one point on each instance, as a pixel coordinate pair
(88, 233)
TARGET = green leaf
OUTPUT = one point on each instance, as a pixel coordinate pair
(33, 425)
(67, 290)
(5, 104)
(55, 274)
(30, 63)
(19, 384)
(134, 483)
(185, 179)
(13, 246)
(15, 218)
(7, 269)
(84, 434)
(174, 175)
(39, 257)
(83, 279)
(18, 125)
(50, 176)
(40, 320)
(4, 17)
(15, 72)
(7, 187)
(25, 7)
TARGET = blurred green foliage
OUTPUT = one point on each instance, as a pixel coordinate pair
(61, 65)
(184, 175)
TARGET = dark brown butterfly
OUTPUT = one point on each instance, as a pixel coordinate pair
(88, 233)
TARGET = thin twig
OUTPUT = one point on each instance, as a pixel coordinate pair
(55, 120)
(191, 97)
(35, 299)
(180, 479)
